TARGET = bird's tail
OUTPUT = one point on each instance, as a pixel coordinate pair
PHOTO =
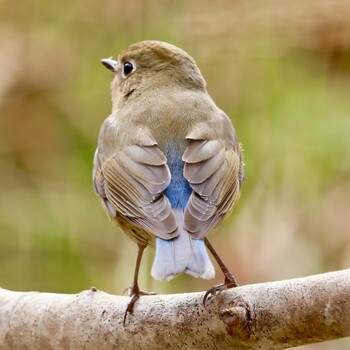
(181, 254)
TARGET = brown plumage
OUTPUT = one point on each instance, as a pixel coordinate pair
(168, 166)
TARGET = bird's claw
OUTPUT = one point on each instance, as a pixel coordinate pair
(230, 282)
(135, 293)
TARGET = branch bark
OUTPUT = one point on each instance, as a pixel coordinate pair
(276, 315)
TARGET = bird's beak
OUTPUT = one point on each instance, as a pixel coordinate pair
(110, 64)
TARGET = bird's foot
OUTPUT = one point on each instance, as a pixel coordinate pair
(230, 282)
(135, 293)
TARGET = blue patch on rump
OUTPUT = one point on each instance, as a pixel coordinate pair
(178, 191)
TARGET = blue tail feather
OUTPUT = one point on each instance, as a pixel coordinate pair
(181, 254)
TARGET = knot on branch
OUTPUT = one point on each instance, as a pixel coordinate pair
(239, 316)
(235, 316)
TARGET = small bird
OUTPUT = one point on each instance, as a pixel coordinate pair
(168, 166)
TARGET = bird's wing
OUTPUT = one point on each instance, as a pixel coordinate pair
(214, 170)
(131, 184)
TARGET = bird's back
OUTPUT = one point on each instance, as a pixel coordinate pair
(168, 163)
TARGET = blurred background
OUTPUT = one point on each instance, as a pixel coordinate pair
(279, 69)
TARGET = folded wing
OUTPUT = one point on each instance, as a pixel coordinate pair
(131, 184)
(213, 169)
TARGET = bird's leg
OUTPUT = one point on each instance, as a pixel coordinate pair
(134, 290)
(229, 282)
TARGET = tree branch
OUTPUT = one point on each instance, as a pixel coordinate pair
(275, 315)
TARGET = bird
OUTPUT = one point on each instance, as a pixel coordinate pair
(168, 167)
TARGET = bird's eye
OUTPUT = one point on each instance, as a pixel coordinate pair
(128, 68)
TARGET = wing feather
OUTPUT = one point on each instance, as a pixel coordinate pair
(198, 151)
(131, 183)
(197, 173)
(213, 169)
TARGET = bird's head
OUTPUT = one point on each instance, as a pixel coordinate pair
(149, 65)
